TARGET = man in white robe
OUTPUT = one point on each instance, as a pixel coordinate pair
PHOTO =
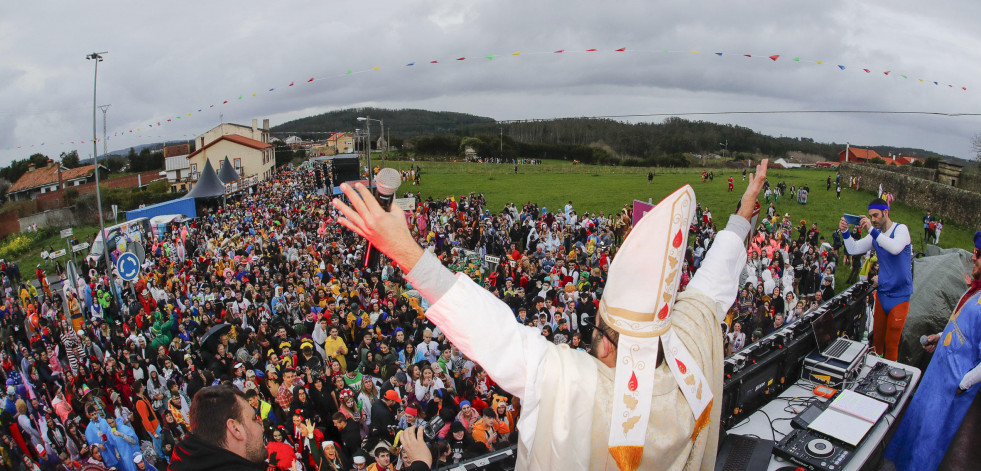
(566, 394)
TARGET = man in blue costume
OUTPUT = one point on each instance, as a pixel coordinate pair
(948, 387)
(893, 247)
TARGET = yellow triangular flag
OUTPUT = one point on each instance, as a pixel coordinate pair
(516, 53)
(820, 62)
(376, 68)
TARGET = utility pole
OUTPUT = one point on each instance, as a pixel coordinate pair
(502, 144)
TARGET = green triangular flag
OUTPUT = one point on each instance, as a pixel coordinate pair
(905, 76)
(348, 72)
(490, 57)
(797, 59)
(240, 97)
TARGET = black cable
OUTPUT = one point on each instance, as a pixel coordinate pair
(772, 434)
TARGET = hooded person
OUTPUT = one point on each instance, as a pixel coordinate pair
(937, 431)
(621, 408)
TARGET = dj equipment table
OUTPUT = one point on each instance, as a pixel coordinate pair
(776, 422)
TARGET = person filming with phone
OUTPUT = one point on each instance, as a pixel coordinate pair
(893, 248)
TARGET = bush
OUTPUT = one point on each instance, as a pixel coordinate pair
(17, 244)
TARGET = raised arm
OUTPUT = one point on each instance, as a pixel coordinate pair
(852, 246)
(895, 244)
(718, 276)
(478, 323)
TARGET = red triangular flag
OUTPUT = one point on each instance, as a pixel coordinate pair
(964, 88)
(434, 62)
(590, 50)
(621, 49)
(212, 106)
(311, 80)
(461, 58)
(748, 55)
(168, 120)
(887, 72)
(867, 71)
(226, 101)
(775, 57)
(158, 123)
(291, 84)
(560, 51)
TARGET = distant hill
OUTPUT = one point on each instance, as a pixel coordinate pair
(628, 140)
(403, 123)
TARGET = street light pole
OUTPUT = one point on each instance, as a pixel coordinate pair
(367, 147)
(97, 57)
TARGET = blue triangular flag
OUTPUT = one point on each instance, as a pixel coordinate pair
(841, 67)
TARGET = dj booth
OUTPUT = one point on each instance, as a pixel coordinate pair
(786, 405)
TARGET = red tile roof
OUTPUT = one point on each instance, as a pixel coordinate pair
(49, 175)
(859, 154)
(241, 140)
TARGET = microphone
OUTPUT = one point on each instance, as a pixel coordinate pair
(386, 184)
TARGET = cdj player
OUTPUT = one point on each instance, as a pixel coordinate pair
(813, 451)
(884, 383)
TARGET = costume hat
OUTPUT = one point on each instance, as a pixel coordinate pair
(637, 303)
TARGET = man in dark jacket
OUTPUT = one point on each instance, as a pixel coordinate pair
(383, 417)
(225, 434)
(350, 435)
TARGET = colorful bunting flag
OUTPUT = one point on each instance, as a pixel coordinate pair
(774, 58)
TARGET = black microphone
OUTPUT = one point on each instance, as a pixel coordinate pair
(386, 184)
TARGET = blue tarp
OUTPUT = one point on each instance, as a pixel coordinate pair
(183, 206)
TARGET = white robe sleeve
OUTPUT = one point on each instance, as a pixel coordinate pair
(718, 276)
(484, 329)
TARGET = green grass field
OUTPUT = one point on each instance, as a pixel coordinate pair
(599, 188)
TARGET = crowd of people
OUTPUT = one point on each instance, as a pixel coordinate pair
(271, 295)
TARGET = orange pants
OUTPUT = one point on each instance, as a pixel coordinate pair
(887, 328)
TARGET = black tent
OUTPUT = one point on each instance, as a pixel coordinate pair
(227, 173)
(208, 184)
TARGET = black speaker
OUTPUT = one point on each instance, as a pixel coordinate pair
(345, 169)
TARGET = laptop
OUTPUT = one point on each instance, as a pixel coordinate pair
(743, 453)
(830, 345)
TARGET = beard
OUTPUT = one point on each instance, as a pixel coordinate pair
(255, 450)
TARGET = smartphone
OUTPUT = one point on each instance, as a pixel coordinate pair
(853, 219)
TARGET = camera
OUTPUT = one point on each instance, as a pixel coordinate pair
(432, 428)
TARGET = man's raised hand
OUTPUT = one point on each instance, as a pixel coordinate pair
(386, 230)
(748, 202)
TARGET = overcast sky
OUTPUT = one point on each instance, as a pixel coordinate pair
(168, 59)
